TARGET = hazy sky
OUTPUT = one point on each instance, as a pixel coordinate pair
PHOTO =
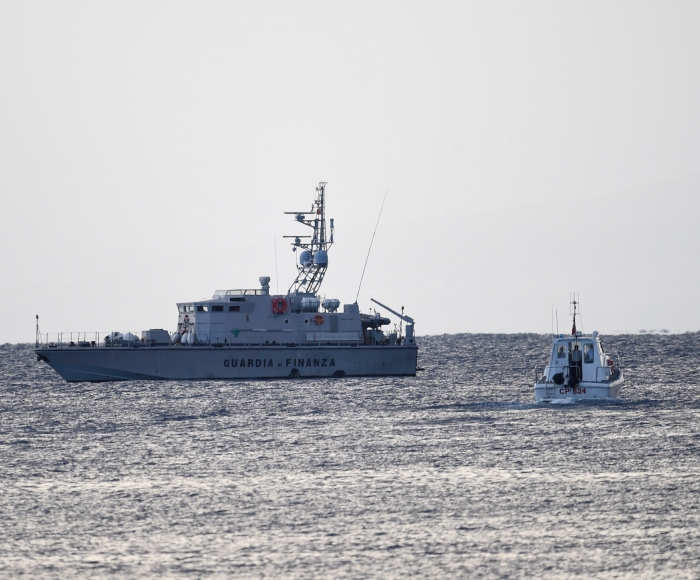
(148, 151)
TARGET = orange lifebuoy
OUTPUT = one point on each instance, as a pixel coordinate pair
(279, 305)
(318, 319)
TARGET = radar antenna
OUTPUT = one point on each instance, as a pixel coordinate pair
(313, 254)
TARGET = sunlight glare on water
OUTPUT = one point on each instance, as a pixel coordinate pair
(454, 472)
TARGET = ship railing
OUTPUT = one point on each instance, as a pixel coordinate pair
(263, 337)
(603, 374)
(610, 373)
(242, 292)
(243, 337)
(541, 374)
(87, 339)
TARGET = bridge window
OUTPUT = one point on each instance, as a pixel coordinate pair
(202, 308)
(234, 308)
(217, 308)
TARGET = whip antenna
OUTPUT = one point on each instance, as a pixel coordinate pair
(277, 276)
(370, 247)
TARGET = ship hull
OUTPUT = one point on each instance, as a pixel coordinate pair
(98, 364)
(549, 391)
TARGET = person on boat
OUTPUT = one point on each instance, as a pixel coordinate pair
(576, 362)
(576, 355)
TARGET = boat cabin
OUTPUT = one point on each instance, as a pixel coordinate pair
(254, 316)
(580, 356)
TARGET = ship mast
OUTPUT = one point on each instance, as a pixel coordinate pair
(574, 302)
(313, 254)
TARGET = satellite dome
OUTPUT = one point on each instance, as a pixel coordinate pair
(305, 258)
(321, 258)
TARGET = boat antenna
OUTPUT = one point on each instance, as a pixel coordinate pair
(277, 275)
(574, 303)
(37, 337)
(580, 318)
(556, 313)
(370, 246)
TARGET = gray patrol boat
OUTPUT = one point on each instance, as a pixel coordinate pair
(250, 334)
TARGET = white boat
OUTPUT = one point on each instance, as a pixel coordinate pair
(579, 368)
(250, 333)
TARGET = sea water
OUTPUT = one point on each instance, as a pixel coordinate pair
(454, 472)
